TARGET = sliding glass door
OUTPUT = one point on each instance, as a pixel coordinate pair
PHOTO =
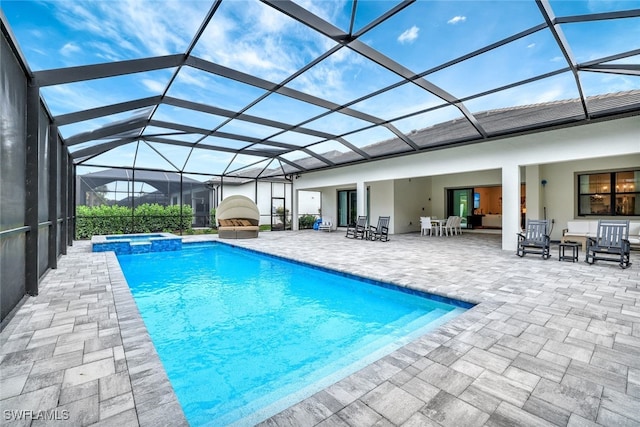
(460, 203)
(347, 207)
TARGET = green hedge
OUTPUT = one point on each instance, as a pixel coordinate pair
(306, 221)
(147, 218)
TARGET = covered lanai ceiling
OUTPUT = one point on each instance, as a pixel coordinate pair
(270, 88)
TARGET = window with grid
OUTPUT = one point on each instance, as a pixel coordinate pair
(609, 193)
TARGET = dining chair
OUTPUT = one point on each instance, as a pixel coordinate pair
(437, 225)
(457, 227)
(425, 226)
(449, 227)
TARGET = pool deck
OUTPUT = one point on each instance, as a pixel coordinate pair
(549, 344)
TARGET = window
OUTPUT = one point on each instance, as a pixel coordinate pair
(609, 193)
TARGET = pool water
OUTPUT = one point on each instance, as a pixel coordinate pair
(244, 335)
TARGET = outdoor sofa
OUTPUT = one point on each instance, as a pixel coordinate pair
(580, 231)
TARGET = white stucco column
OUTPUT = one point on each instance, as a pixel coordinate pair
(510, 206)
(361, 191)
(294, 207)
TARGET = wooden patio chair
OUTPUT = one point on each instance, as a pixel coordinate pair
(358, 230)
(381, 231)
(535, 240)
(611, 243)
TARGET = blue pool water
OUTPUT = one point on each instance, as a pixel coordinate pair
(243, 335)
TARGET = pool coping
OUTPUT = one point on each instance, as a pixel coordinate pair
(458, 301)
(149, 381)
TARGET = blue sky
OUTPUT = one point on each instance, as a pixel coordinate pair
(256, 39)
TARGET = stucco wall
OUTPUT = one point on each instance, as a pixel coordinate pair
(382, 203)
(559, 194)
(411, 202)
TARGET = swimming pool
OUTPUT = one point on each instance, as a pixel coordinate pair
(243, 335)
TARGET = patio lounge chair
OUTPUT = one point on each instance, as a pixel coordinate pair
(535, 240)
(358, 230)
(238, 218)
(612, 240)
(381, 231)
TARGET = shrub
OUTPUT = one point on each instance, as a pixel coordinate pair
(306, 221)
(146, 218)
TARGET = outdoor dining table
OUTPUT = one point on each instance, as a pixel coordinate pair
(438, 225)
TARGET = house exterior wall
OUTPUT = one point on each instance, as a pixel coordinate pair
(558, 154)
(382, 202)
(411, 201)
(458, 180)
(559, 194)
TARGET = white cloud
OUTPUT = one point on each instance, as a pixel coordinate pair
(456, 20)
(273, 49)
(532, 45)
(549, 95)
(133, 28)
(557, 59)
(154, 86)
(408, 36)
(70, 49)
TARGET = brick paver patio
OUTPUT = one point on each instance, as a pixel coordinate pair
(549, 343)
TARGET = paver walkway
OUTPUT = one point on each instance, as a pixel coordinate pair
(550, 343)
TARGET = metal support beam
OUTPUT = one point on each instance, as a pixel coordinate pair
(32, 169)
(632, 13)
(82, 73)
(54, 163)
(64, 200)
(110, 131)
(547, 13)
(624, 69)
(71, 185)
(94, 113)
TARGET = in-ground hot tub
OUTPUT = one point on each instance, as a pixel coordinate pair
(136, 243)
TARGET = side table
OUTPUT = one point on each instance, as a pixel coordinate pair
(565, 255)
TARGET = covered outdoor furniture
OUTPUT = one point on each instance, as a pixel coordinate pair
(611, 243)
(238, 217)
(535, 240)
(358, 230)
(381, 231)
